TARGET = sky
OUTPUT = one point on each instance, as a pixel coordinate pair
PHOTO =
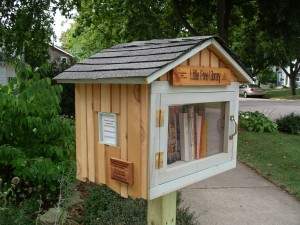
(61, 24)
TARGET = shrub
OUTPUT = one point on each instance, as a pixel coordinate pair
(36, 143)
(257, 122)
(289, 124)
(105, 207)
(22, 214)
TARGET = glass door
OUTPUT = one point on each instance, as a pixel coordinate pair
(195, 134)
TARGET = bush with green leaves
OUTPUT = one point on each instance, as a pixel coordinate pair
(105, 207)
(24, 213)
(289, 124)
(257, 122)
(36, 142)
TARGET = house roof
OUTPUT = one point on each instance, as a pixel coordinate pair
(142, 61)
(61, 50)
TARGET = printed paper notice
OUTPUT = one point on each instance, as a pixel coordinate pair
(108, 128)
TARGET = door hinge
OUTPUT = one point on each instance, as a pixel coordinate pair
(159, 118)
(159, 160)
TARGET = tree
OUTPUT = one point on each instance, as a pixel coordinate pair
(103, 23)
(26, 28)
(280, 20)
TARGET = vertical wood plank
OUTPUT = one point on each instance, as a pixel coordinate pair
(96, 97)
(199, 58)
(105, 102)
(123, 133)
(205, 57)
(214, 60)
(90, 132)
(115, 98)
(105, 97)
(162, 210)
(99, 149)
(81, 144)
(78, 133)
(134, 138)
(144, 139)
(112, 152)
(194, 60)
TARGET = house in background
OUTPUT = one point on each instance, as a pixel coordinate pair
(7, 72)
(57, 56)
(283, 80)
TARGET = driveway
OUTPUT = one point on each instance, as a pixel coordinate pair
(241, 197)
(271, 108)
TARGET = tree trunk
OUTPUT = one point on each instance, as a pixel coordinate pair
(293, 82)
(223, 15)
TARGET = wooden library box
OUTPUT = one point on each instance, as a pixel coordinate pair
(155, 116)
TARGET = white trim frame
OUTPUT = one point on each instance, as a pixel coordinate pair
(193, 171)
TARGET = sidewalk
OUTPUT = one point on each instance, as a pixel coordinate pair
(241, 197)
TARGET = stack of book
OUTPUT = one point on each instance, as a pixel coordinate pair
(187, 133)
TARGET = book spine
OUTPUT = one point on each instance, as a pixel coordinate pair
(192, 130)
(198, 135)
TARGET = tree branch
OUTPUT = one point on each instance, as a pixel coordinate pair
(185, 22)
(285, 71)
(297, 66)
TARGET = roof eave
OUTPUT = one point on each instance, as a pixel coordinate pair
(125, 80)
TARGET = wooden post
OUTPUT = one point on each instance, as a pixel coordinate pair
(162, 211)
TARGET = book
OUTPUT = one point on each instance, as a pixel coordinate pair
(191, 131)
(198, 135)
(184, 137)
(174, 148)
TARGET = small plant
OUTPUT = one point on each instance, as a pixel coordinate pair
(257, 122)
(103, 207)
(289, 124)
(8, 192)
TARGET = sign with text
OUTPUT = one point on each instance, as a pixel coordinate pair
(195, 76)
(108, 128)
(121, 171)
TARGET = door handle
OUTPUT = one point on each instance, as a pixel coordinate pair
(235, 127)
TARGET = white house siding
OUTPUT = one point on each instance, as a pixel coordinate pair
(6, 71)
(283, 79)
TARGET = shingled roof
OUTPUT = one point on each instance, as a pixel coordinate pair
(136, 61)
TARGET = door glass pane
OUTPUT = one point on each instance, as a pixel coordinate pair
(195, 131)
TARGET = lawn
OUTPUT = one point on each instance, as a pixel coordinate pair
(284, 93)
(275, 156)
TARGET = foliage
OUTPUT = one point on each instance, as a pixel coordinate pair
(26, 27)
(267, 77)
(289, 124)
(21, 214)
(280, 21)
(276, 156)
(36, 143)
(102, 23)
(257, 122)
(103, 206)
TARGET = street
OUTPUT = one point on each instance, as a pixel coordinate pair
(271, 108)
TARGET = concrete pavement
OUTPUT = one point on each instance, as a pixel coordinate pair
(270, 107)
(241, 197)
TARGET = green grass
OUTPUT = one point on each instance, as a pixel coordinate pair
(284, 93)
(275, 156)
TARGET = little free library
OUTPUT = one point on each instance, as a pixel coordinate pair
(155, 116)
